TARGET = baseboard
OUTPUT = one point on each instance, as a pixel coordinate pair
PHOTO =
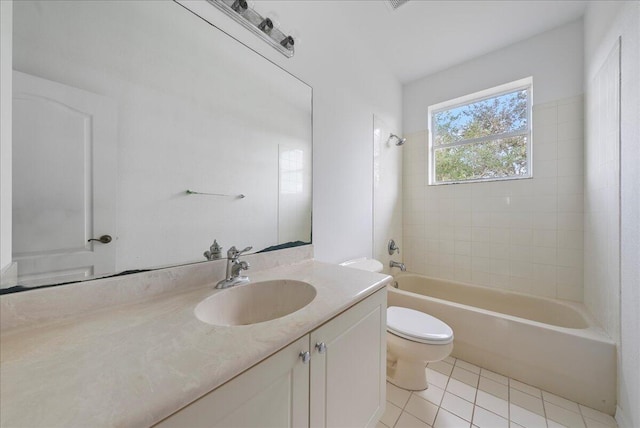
(9, 275)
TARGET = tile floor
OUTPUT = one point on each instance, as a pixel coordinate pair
(464, 395)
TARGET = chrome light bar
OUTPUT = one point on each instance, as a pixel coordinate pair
(239, 11)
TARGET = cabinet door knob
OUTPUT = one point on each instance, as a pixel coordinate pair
(305, 357)
(321, 347)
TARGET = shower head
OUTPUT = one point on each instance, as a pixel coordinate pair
(399, 141)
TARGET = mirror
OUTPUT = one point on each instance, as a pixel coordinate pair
(120, 108)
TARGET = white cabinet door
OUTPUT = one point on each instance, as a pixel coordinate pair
(64, 155)
(348, 378)
(274, 393)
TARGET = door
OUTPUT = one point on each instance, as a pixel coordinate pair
(64, 156)
(348, 366)
(274, 393)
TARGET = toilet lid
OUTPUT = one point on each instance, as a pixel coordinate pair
(418, 326)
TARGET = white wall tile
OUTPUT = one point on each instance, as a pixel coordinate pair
(521, 235)
(546, 151)
(545, 221)
(545, 238)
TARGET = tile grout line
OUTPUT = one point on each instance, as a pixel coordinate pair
(509, 400)
(473, 403)
(444, 392)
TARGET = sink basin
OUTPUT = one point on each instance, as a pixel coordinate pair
(255, 302)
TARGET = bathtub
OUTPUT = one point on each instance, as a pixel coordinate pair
(551, 344)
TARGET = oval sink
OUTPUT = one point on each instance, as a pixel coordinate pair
(255, 302)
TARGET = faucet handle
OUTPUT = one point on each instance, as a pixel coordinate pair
(233, 252)
(392, 247)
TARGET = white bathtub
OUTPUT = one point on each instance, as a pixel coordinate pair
(551, 344)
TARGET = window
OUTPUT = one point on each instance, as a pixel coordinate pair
(291, 171)
(482, 136)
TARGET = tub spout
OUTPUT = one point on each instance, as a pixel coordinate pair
(393, 264)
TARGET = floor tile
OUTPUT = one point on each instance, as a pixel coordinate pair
(595, 415)
(442, 367)
(563, 416)
(437, 378)
(421, 409)
(494, 376)
(457, 406)
(391, 414)
(526, 418)
(494, 388)
(433, 394)
(493, 403)
(408, 421)
(554, 424)
(465, 376)
(461, 390)
(449, 420)
(497, 402)
(397, 396)
(531, 390)
(559, 401)
(468, 366)
(526, 401)
(485, 419)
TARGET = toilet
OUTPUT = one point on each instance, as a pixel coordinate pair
(413, 339)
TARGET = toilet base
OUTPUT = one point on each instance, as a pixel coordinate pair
(411, 376)
(407, 361)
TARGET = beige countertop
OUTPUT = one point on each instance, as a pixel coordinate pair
(135, 364)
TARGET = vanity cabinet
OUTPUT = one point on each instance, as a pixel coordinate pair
(274, 393)
(348, 366)
(342, 384)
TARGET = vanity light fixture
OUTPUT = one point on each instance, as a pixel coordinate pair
(262, 27)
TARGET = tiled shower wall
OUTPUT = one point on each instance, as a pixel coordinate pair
(522, 235)
(602, 202)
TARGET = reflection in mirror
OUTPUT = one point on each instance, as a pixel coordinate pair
(119, 109)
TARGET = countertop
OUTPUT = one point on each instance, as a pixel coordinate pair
(135, 364)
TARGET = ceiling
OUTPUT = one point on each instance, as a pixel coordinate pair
(425, 36)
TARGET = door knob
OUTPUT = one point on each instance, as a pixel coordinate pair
(305, 357)
(105, 239)
(321, 347)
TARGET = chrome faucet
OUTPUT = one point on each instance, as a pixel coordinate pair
(215, 251)
(393, 264)
(234, 267)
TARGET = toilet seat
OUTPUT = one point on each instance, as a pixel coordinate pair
(418, 326)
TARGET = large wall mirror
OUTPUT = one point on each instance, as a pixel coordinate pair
(120, 108)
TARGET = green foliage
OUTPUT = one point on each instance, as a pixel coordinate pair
(502, 157)
(491, 159)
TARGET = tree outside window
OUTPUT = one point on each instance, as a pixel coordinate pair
(482, 136)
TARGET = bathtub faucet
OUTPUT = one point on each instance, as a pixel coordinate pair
(393, 264)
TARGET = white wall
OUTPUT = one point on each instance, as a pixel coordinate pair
(349, 86)
(604, 23)
(387, 194)
(6, 40)
(553, 58)
(522, 235)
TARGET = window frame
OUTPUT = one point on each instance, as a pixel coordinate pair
(496, 91)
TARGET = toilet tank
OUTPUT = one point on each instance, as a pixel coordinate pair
(371, 265)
